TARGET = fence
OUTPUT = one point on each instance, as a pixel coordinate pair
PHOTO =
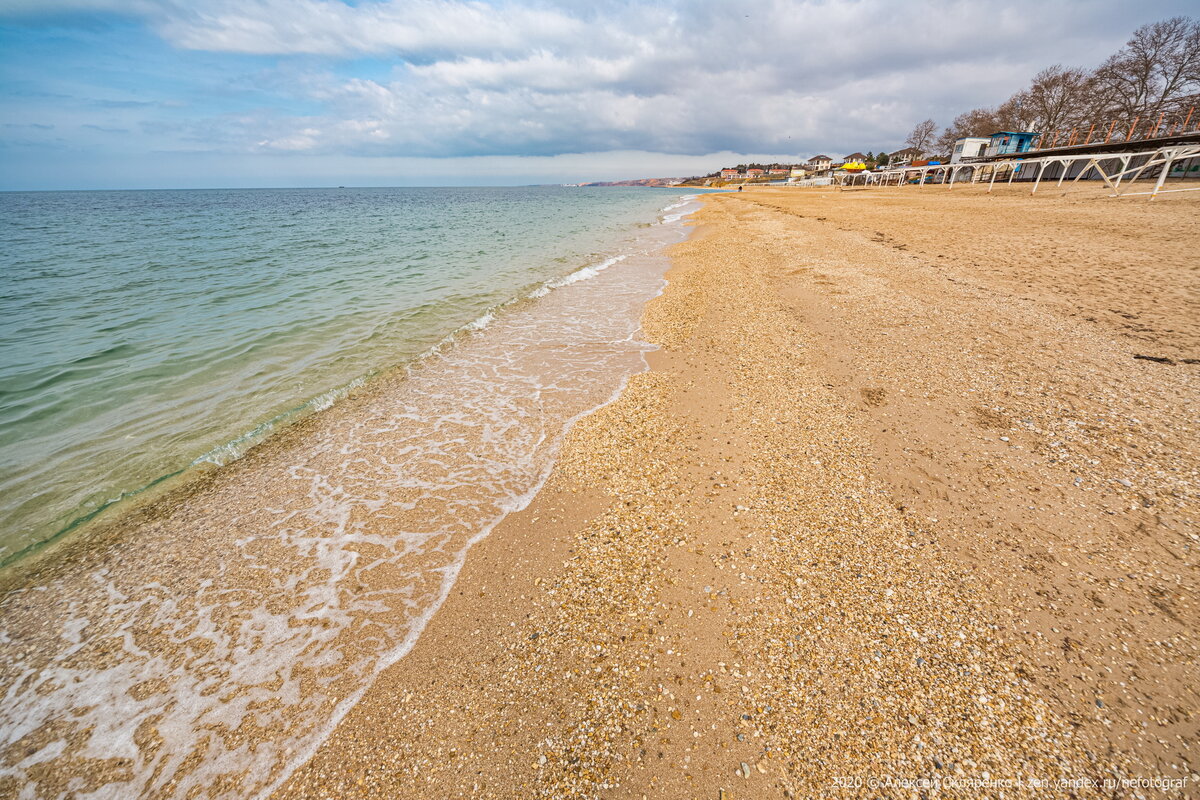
(803, 182)
(1166, 123)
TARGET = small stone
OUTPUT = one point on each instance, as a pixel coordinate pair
(1099, 703)
(1004, 438)
(1125, 483)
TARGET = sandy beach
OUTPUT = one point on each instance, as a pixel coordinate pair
(908, 495)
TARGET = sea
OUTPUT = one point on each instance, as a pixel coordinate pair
(247, 438)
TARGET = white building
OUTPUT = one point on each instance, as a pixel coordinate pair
(969, 147)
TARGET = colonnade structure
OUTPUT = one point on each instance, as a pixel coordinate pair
(1119, 165)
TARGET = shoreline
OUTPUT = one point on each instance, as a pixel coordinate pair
(238, 383)
(162, 488)
(283, 581)
(787, 554)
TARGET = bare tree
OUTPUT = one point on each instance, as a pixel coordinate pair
(1058, 98)
(1016, 113)
(923, 136)
(1156, 72)
(1158, 65)
(976, 122)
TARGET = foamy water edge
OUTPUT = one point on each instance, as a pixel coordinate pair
(317, 537)
(520, 504)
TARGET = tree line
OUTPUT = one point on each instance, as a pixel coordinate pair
(1146, 88)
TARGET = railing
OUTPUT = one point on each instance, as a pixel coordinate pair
(1165, 123)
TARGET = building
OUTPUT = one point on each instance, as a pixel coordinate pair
(854, 157)
(969, 147)
(730, 175)
(1006, 142)
(778, 171)
(754, 173)
(819, 163)
(799, 172)
(902, 158)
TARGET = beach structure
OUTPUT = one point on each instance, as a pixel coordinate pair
(902, 158)
(822, 180)
(969, 147)
(1010, 142)
(1118, 164)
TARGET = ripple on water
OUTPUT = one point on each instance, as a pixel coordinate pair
(214, 646)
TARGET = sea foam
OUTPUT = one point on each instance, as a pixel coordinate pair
(251, 617)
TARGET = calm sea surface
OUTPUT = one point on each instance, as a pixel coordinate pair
(143, 331)
(448, 339)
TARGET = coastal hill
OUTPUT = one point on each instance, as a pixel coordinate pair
(639, 182)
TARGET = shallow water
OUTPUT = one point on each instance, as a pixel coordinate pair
(211, 645)
(143, 331)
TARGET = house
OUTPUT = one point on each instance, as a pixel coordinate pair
(856, 157)
(730, 174)
(754, 173)
(799, 172)
(968, 147)
(819, 163)
(1005, 142)
(902, 158)
(778, 171)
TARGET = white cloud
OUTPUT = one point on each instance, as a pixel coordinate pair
(690, 77)
(328, 27)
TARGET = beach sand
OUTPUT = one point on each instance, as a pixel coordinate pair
(898, 499)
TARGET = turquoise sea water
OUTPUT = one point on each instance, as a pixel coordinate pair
(211, 646)
(142, 332)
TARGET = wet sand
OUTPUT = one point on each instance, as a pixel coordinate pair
(203, 642)
(898, 500)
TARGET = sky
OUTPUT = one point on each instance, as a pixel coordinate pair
(240, 93)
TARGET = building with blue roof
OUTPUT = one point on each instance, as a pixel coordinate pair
(1006, 142)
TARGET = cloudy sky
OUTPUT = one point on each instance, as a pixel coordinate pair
(187, 93)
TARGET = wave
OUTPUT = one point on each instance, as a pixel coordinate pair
(236, 448)
(583, 274)
(687, 200)
(230, 451)
(333, 556)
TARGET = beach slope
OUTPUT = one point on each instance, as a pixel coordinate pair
(908, 495)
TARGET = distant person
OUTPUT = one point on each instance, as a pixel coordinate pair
(739, 188)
